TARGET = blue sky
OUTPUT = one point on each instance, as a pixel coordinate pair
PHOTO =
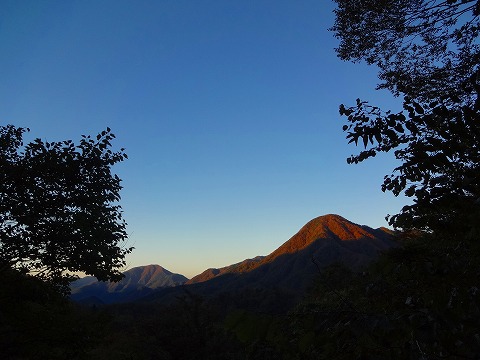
(228, 111)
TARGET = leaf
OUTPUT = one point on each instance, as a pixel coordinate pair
(418, 108)
(365, 140)
(398, 127)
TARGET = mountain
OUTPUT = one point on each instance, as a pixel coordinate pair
(292, 267)
(241, 267)
(333, 237)
(138, 282)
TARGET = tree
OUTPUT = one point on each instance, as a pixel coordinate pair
(427, 51)
(423, 48)
(59, 211)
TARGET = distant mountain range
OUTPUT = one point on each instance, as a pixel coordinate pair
(290, 269)
(138, 282)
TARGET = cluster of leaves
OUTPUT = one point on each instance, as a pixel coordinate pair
(423, 48)
(428, 52)
(439, 150)
(59, 211)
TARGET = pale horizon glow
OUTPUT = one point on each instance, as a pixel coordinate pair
(228, 111)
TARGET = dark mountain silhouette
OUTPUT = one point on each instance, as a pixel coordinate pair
(291, 268)
(138, 282)
(241, 267)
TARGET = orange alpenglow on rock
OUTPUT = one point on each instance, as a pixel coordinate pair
(327, 239)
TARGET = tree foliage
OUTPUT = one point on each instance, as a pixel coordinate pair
(427, 51)
(423, 48)
(59, 209)
(420, 301)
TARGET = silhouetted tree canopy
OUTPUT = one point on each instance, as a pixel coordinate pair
(428, 52)
(59, 211)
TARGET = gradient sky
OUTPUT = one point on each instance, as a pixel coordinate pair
(228, 111)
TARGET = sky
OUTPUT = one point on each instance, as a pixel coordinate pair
(228, 111)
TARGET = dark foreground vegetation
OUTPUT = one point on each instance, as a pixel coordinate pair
(418, 301)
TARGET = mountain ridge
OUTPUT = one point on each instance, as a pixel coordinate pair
(330, 226)
(138, 281)
(276, 282)
(288, 270)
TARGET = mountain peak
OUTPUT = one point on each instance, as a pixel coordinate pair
(138, 280)
(330, 227)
